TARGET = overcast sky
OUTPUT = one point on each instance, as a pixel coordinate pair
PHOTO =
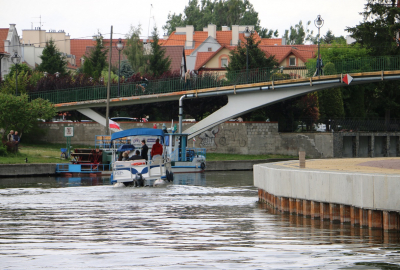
(83, 18)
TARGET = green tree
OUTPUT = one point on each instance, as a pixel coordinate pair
(378, 33)
(159, 63)
(18, 113)
(330, 38)
(297, 35)
(96, 61)
(218, 12)
(52, 59)
(256, 57)
(134, 51)
(126, 69)
(8, 86)
(21, 67)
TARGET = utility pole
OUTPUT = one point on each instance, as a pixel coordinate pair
(108, 86)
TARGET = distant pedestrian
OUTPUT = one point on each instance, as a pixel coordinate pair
(187, 80)
(10, 136)
(319, 66)
(17, 138)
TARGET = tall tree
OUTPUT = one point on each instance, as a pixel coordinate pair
(159, 63)
(218, 12)
(52, 59)
(256, 57)
(297, 35)
(96, 61)
(20, 114)
(134, 51)
(378, 33)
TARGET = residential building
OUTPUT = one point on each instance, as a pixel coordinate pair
(34, 41)
(9, 44)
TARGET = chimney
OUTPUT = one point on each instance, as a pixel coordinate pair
(235, 35)
(189, 37)
(212, 30)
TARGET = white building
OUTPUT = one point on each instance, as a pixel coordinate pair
(9, 44)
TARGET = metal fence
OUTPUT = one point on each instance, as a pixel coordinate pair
(219, 79)
(340, 125)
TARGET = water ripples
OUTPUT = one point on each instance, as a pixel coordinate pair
(217, 225)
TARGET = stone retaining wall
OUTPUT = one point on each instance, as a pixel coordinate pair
(255, 138)
(369, 200)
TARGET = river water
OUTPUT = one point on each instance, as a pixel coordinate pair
(201, 221)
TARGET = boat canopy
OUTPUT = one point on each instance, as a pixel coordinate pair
(138, 132)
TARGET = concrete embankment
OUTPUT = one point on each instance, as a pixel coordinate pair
(19, 170)
(362, 199)
(34, 169)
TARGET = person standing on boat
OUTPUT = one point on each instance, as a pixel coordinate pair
(145, 149)
(157, 149)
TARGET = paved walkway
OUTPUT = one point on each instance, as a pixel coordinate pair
(384, 165)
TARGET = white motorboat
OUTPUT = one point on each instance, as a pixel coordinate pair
(140, 172)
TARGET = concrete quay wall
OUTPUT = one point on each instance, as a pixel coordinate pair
(34, 169)
(367, 200)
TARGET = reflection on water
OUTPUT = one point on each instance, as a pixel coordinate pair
(204, 221)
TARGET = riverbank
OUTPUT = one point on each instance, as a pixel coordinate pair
(38, 169)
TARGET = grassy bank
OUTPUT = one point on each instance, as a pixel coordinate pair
(36, 153)
(51, 153)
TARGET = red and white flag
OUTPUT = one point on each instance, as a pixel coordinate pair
(114, 125)
(347, 79)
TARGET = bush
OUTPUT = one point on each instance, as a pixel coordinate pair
(3, 150)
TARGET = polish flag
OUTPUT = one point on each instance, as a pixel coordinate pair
(347, 79)
(114, 125)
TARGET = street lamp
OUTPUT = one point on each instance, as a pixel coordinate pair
(15, 59)
(247, 34)
(120, 46)
(319, 22)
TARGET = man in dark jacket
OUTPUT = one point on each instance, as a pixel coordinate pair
(136, 156)
(145, 149)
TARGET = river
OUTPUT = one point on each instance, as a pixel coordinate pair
(201, 221)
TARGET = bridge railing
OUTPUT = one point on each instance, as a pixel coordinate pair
(220, 79)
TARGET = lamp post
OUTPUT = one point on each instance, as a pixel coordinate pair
(15, 59)
(120, 46)
(247, 34)
(319, 22)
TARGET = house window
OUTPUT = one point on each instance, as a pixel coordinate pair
(209, 49)
(224, 62)
(292, 61)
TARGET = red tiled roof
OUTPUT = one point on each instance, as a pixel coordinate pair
(271, 41)
(78, 48)
(3, 36)
(202, 58)
(304, 52)
(175, 53)
(223, 38)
